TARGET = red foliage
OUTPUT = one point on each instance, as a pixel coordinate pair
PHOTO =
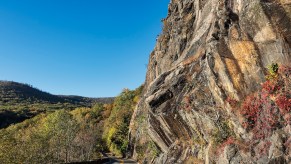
(270, 86)
(266, 123)
(187, 103)
(250, 109)
(264, 111)
(260, 114)
(283, 103)
(285, 70)
(232, 102)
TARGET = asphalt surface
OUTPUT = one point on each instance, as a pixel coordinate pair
(116, 160)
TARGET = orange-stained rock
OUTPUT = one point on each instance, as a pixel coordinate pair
(209, 50)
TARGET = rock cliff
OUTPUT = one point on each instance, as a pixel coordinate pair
(211, 56)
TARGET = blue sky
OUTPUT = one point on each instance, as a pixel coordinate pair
(90, 48)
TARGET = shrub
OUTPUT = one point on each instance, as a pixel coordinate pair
(272, 71)
(187, 103)
(270, 87)
(155, 151)
(222, 133)
(283, 103)
(269, 108)
(140, 150)
(232, 102)
(250, 110)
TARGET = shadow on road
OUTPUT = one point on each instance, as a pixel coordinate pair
(109, 159)
(99, 161)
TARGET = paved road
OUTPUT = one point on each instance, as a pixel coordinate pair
(116, 160)
(121, 161)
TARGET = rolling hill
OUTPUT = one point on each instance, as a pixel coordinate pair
(22, 101)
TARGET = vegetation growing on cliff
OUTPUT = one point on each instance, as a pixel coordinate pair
(269, 108)
(265, 111)
(117, 126)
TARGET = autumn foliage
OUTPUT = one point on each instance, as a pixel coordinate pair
(269, 108)
(265, 111)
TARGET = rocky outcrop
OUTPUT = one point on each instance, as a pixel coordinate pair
(210, 50)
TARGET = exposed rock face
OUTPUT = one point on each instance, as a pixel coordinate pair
(210, 50)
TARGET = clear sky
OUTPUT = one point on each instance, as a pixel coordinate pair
(91, 48)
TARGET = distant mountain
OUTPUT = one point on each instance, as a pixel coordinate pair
(76, 99)
(13, 92)
(21, 101)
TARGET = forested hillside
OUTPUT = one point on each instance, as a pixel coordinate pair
(68, 135)
(22, 101)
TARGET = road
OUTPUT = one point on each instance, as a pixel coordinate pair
(116, 160)
(121, 161)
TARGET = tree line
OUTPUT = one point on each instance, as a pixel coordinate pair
(66, 136)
